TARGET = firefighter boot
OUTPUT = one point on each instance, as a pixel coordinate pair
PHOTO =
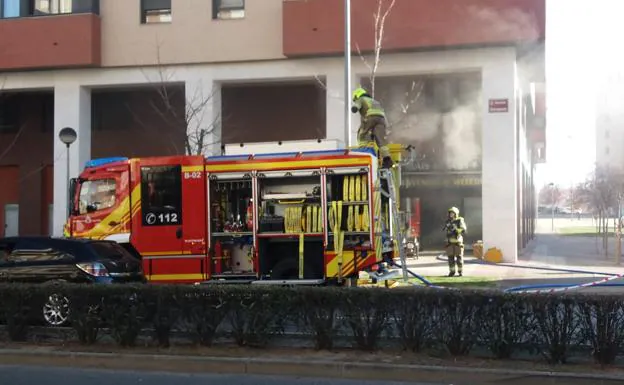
(451, 264)
(460, 265)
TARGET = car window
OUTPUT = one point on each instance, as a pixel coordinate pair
(98, 194)
(37, 251)
(110, 250)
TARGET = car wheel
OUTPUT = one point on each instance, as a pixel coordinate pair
(56, 310)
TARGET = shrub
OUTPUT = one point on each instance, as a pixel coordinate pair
(124, 312)
(368, 314)
(602, 321)
(85, 314)
(163, 309)
(504, 323)
(414, 317)
(204, 310)
(317, 314)
(19, 308)
(256, 314)
(557, 325)
(457, 323)
(551, 325)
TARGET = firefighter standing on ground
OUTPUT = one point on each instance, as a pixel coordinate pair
(373, 124)
(455, 227)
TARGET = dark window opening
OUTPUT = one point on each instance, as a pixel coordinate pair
(9, 114)
(47, 116)
(155, 11)
(228, 9)
(161, 195)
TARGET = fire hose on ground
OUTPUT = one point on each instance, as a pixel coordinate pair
(539, 288)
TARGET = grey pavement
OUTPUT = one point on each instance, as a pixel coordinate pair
(28, 375)
(551, 249)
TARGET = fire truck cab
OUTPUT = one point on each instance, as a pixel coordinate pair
(308, 217)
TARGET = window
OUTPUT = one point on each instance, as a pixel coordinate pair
(110, 250)
(51, 7)
(38, 251)
(228, 9)
(98, 194)
(9, 8)
(161, 195)
(9, 114)
(47, 113)
(155, 11)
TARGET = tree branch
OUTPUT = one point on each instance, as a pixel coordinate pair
(196, 128)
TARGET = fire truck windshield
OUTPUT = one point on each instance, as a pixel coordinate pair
(97, 194)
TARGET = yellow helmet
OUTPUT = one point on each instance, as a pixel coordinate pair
(358, 93)
(454, 210)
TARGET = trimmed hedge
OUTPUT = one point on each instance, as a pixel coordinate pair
(459, 323)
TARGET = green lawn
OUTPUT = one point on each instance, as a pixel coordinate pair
(465, 281)
(581, 231)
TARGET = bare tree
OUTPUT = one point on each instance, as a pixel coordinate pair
(199, 129)
(413, 89)
(550, 195)
(602, 192)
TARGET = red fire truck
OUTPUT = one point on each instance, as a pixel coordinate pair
(308, 217)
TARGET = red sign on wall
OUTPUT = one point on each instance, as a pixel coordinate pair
(499, 105)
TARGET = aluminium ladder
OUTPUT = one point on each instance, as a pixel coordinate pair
(396, 235)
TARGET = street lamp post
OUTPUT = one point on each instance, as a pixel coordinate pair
(347, 70)
(68, 136)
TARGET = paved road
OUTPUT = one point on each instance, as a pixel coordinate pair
(27, 375)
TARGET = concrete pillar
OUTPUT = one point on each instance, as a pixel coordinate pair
(335, 106)
(72, 108)
(356, 81)
(500, 167)
(203, 110)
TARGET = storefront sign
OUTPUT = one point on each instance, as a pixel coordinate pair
(499, 105)
(451, 181)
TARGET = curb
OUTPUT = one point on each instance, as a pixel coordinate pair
(284, 366)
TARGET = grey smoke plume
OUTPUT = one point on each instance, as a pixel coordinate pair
(512, 22)
(443, 123)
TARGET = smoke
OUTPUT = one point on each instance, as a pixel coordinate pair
(443, 123)
(460, 139)
(514, 23)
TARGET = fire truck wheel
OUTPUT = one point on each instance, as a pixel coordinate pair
(288, 268)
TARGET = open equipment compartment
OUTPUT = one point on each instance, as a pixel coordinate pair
(231, 224)
(290, 225)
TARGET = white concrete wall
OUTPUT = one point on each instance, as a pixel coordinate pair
(499, 140)
(72, 108)
(500, 169)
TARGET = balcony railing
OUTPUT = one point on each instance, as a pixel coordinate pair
(11, 9)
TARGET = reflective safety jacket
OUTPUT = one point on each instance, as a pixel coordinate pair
(454, 230)
(369, 107)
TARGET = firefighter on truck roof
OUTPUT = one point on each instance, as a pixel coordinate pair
(372, 124)
(455, 227)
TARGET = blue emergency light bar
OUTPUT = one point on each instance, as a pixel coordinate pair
(102, 161)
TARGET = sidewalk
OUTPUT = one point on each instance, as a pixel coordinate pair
(384, 367)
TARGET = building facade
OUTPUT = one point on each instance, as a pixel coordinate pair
(610, 122)
(463, 82)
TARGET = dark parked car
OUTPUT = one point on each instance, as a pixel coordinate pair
(48, 260)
